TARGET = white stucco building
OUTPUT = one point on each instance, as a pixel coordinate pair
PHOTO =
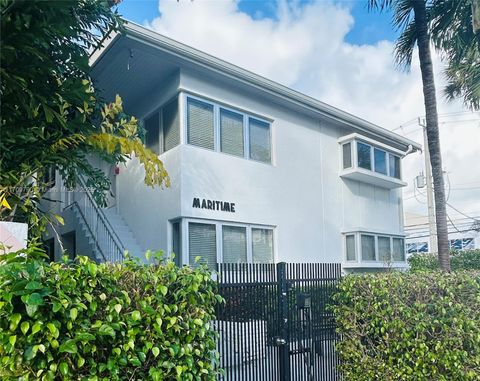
(259, 172)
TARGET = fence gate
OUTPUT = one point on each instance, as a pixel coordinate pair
(274, 324)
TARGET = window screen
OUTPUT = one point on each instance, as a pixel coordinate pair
(231, 133)
(347, 155)
(368, 247)
(202, 243)
(384, 250)
(177, 243)
(262, 245)
(398, 249)
(200, 126)
(171, 125)
(259, 140)
(363, 155)
(394, 166)
(380, 158)
(350, 245)
(234, 244)
(152, 133)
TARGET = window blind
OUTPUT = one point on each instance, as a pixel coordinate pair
(398, 249)
(152, 133)
(234, 244)
(347, 155)
(262, 245)
(259, 140)
(200, 126)
(231, 133)
(202, 243)
(384, 250)
(368, 247)
(171, 125)
(350, 243)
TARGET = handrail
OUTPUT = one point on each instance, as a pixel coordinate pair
(106, 239)
(101, 214)
(94, 237)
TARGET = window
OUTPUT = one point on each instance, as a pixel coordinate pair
(217, 241)
(380, 160)
(379, 248)
(347, 155)
(202, 243)
(217, 128)
(231, 133)
(368, 247)
(398, 249)
(171, 125)
(394, 170)
(177, 243)
(350, 247)
(364, 155)
(384, 250)
(262, 245)
(200, 124)
(234, 244)
(259, 133)
(152, 133)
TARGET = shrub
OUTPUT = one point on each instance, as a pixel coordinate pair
(86, 321)
(460, 260)
(404, 326)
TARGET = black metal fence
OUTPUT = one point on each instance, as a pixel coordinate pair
(275, 324)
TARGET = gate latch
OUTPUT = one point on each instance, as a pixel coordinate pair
(280, 341)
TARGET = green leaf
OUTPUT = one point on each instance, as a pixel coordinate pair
(118, 308)
(24, 327)
(155, 351)
(163, 289)
(106, 330)
(68, 346)
(34, 299)
(14, 320)
(73, 314)
(63, 368)
(12, 339)
(136, 315)
(33, 285)
(36, 327)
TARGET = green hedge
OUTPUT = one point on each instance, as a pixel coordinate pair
(404, 326)
(460, 260)
(85, 321)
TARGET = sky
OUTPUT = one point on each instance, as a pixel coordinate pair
(342, 54)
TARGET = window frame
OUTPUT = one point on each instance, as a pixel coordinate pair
(217, 107)
(354, 139)
(184, 237)
(377, 262)
(159, 111)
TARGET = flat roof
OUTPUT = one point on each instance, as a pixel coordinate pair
(222, 67)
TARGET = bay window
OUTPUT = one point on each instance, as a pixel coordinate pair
(374, 249)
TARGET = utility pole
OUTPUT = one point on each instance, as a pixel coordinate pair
(433, 245)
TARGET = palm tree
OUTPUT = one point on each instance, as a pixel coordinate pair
(411, 17)
(455, 31)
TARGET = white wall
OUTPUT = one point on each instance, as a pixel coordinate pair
(301, 194)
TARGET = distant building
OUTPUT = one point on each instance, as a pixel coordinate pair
(463, 234)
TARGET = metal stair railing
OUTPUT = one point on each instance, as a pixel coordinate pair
(105, 238)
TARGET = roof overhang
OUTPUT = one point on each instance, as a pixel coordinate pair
(189, 56)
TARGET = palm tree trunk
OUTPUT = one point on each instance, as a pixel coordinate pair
(433, 138)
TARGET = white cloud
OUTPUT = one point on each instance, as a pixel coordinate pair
(304, 47)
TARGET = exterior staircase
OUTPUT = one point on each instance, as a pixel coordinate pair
(105, 230)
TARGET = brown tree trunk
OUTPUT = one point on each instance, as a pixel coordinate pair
(433, 138)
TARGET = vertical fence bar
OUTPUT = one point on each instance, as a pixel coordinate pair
(283, 350)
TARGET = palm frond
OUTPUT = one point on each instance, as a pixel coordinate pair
(404, 46)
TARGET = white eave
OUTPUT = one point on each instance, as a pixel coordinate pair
(211, 63)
